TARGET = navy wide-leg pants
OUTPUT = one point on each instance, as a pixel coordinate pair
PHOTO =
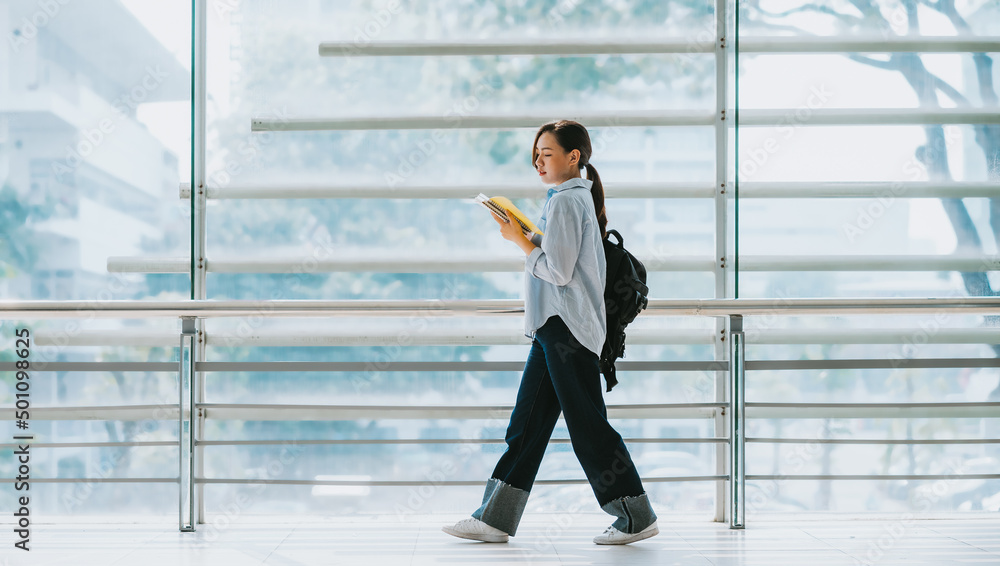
(563, 376)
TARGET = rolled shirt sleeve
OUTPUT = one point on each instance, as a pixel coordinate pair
(555, 260)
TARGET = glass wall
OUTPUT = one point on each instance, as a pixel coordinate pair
(802, 150)
(95, 137)
(865, 169)
(291, 245)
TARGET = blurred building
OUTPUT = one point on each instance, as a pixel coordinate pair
(70, 137)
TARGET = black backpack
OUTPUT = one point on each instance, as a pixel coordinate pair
(625, 295)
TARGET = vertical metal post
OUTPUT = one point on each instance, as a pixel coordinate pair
(737, 423)
(722, 224)
(186, 425)
(199, 260)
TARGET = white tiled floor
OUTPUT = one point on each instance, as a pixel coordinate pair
(541, 539)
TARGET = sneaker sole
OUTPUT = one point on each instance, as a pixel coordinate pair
(639, 536)
(481, 537)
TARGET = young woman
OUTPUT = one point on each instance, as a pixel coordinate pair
(564, 315)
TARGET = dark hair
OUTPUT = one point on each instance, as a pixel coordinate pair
(572, 135)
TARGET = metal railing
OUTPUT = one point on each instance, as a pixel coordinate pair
(733, 408)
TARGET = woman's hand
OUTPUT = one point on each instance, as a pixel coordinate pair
(510, 230)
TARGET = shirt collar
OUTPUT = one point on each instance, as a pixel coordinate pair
(571, 183)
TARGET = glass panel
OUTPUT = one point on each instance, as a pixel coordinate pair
(401, 339)
(891, 221)
(974, 385)
(150, 429)
(802, 152)
(152, 340)
(408, 503)
(139, 501)
(152, 395)
(863, 428)
(103, 462)
(113, 502)
(928, 497)
(851, 80)
(436, 387)
(680, 224)
(296, 82)
(881, 18)
(94, 140)
(898, 339)
(410, 462)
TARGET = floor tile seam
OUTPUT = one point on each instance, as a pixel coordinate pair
(277, 546)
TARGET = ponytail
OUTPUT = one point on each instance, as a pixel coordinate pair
(597, 191)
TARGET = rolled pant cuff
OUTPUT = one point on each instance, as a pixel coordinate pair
(634, 513)
(503, 505)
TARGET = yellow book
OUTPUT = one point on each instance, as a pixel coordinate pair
(501, 205)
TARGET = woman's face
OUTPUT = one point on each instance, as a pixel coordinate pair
(554, 164)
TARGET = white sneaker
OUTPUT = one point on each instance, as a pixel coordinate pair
(612, 535)
(475, 529)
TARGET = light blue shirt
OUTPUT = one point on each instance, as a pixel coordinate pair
(566, 275)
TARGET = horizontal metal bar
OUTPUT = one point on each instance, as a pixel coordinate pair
(361, 366)
(441, 366)
(382, 191)
(872, 410)
(618, 119)
(640, 45)
(396, 334)
(147, 264)
(873, 44)
(368, 442)
(391, 262)
(18, 309)
(408, 483)
(620, 190)
(865, 117)
(888, 190)
(322, 335)
(766, 336)
(895, 363)
(874, 441)
(474, 47)
(204, 308)
(892, 262)
(646, 118)
(92, 444)
(94, 480)
(108, 337)
(751, 477)
(260, 412)
(876, 405)
(39, 366)
(828, 306)
(99, 413)
(411, 262)
(389, 334)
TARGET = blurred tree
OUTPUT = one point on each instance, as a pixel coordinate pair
(872, 17)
